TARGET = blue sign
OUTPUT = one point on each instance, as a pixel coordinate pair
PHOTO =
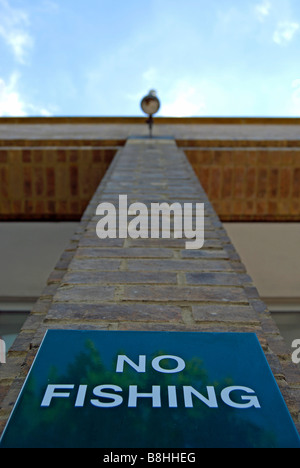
(98, 389)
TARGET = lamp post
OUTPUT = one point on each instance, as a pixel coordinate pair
(150, 105)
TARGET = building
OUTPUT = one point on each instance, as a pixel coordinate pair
(54, 171)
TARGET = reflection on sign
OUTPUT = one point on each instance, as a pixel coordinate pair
(150, 390)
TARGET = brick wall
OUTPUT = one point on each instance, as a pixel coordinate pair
(50, 182)
(149, 284)
(250, 183)
(249, 167)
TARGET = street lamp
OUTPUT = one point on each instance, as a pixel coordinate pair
(150, 105)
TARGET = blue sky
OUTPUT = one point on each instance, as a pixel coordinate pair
(100, 57)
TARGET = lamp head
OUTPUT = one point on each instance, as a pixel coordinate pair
(150, 104)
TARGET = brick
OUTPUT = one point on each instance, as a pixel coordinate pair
(261, 208)
(17, 207)
(212, 254)
(74, 180)
(225, 279)
(64, 260)
(207, 327)
(33, 322)
(210, 242)
(3, 182)
(204, 176)
(296, 183)
(227, 182)
(22, 342)
(50, 181)
(262, 183)
(51, 207)
(216, 178)
(48, 173)
(94, 241)
(73, 154)
(84, 293)
(225, 313)
(124, 253)
(61, 155)
(274, 182)
(97, 155)
(56, 276)
(11, 369)
(178, 265)
(119, 277)
(239, 184)
(37, 155)
(95, 264)
(27, 182)
(285, 182)
(250, 208)
(114, 312)
(26, 156)
(28, 207)
(3, 392)
(250, 182)
(39, 181)
(11, 396)
(183, 294)
(3, 156)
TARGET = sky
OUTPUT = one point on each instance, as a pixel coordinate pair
(100, 57)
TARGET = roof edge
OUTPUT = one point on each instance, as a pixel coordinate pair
(158, 120)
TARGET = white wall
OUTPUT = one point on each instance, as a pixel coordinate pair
(28, 254)
(271, 254)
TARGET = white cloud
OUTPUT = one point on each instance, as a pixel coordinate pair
(11, 102)
(14, 24)
(294, 109)
(263, 10)
(183, 100)
(285, 32)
